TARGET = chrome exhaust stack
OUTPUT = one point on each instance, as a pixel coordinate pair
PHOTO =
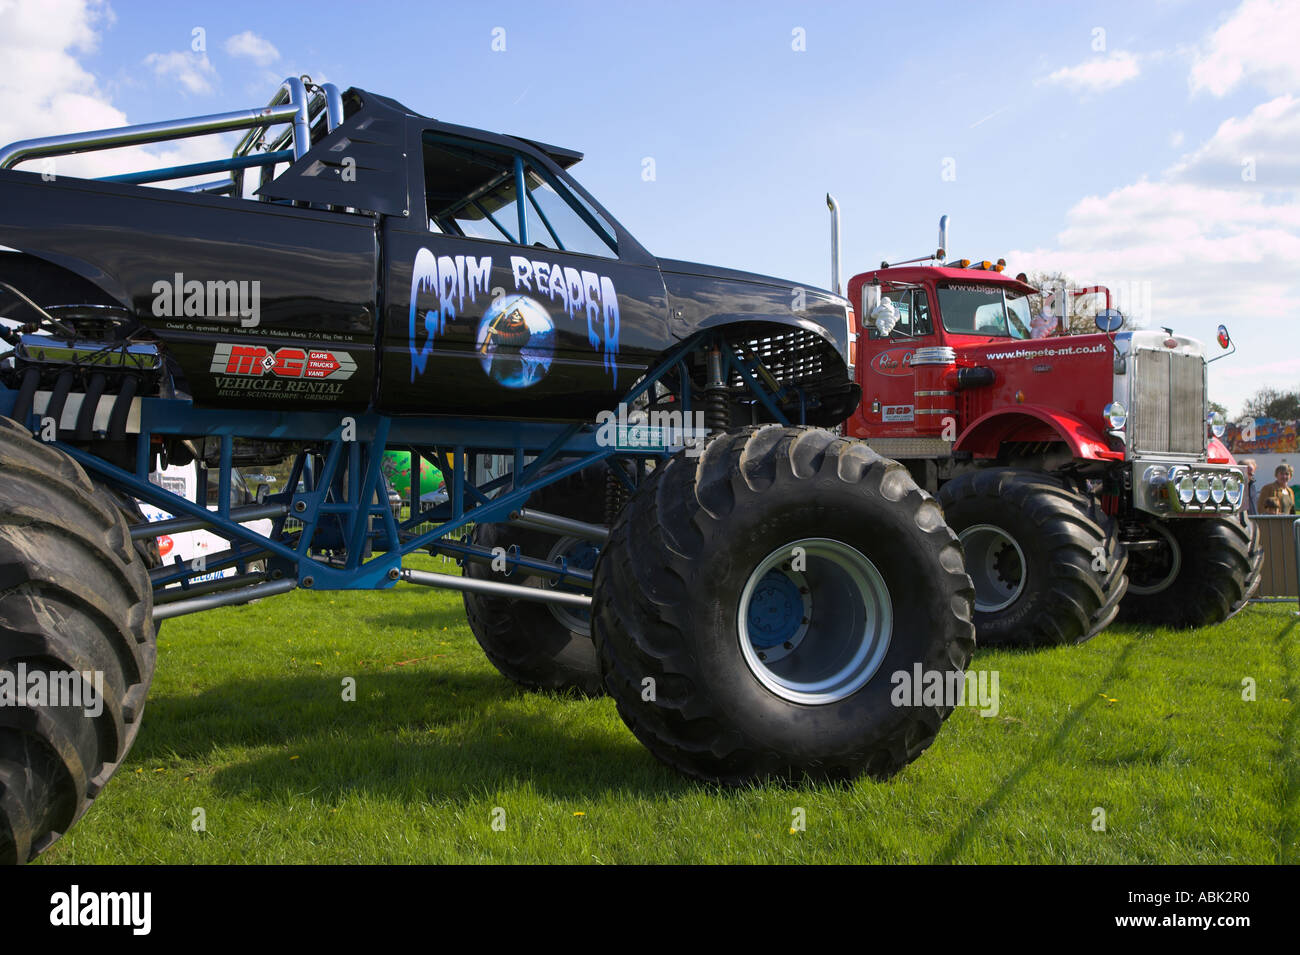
(834, 207)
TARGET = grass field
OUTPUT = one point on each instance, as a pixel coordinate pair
(246, 721)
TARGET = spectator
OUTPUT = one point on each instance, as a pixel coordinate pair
(1277, 498)
(1252, 488)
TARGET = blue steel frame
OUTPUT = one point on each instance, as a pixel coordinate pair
(202, 168)
(341, 476)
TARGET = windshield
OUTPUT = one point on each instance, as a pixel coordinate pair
(984, 310)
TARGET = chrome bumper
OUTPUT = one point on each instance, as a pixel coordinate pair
(1157, 483)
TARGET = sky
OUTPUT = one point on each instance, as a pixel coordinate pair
(1150, 146)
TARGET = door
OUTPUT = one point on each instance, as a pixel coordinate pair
(509, 296)
(888, 407)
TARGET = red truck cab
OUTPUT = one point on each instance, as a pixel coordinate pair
(963, 349)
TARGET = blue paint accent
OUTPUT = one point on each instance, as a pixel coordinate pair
(493, 219)
(521, 204)
(775, 610)
(546, 222)
(201, 168)
(513, 560)
(582, 556)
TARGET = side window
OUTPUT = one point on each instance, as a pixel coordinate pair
(921, 324)
(491, 215)
(913, 313)
(555, 223)
(474, 192)
(903, 303)
(470, 192)
(1018, 313)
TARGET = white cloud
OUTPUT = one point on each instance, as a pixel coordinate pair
(193, 71)
(1176, 138)
(44, 88)
(46, 91)
(1209, 245)
(1258, 151)
(1098, 74)
(1257, 42)
(251, 46)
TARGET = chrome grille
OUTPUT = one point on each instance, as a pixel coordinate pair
(1169, 402)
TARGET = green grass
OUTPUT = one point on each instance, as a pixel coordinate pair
(246, 720)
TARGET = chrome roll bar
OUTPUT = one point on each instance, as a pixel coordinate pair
(50, 146)
(292, 105)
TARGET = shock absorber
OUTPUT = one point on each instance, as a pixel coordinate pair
(616, 493)
(717, 410)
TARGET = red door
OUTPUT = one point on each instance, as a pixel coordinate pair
(888, 407)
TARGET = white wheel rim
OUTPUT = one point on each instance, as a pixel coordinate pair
(845, 630)
(996, 565)
(1175, 566)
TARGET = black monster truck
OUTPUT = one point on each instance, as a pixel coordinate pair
(675, 528)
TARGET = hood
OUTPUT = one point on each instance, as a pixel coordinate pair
(679, 267)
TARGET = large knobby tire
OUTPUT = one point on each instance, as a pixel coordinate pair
(146, 547)
(74, 599)
(537, 645)
(1207, 571)
(700, 575)
(1046, 561)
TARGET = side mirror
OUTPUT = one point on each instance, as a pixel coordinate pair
(262, 491)
(870, 299)
(1109, 320)
(1225, 340)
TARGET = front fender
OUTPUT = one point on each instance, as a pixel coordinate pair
(50, 279)
(985, 435)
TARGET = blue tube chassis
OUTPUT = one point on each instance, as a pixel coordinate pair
(337, 497)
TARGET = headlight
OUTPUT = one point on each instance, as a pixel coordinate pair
(1116, 415)
(1216, 489)
(1218, 424)
(1202, 489)
(1232, 489)
(1183, 485)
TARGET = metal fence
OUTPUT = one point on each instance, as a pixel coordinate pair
(1280, 576)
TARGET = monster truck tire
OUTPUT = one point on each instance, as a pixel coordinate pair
(1046, 561)
(74, 598)
(692, 600)
(1212, 569)
(540, 646)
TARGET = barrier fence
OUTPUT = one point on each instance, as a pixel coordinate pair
(1280, 576)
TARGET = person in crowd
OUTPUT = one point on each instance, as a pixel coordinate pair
(1278, 498)
(1252, 488)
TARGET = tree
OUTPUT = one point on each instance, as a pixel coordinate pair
(1221, 409)
(1274, 403)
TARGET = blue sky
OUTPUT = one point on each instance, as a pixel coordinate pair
(1065, 155)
